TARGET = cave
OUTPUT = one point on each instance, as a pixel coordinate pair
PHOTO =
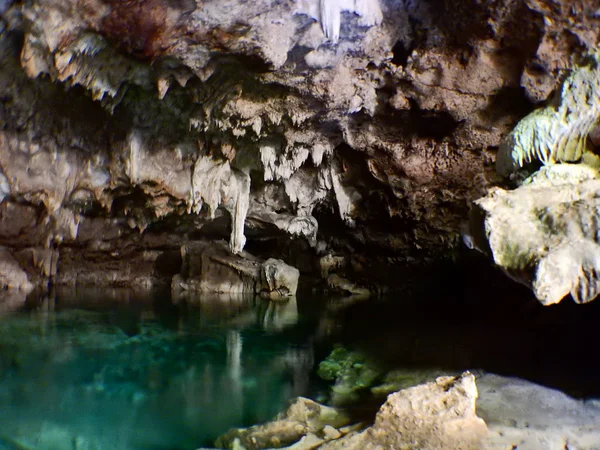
(313, 224)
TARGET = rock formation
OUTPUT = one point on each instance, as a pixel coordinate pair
(210, 268)
(438, 415)
(558, 132)
(545, 232)
(303, 417)
(294, 129)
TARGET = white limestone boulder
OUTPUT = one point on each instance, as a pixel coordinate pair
(546, 233)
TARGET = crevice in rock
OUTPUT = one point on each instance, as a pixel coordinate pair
(401, 54)
(430, 124)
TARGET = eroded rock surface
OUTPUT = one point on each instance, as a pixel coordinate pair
(304, 417)
(437, 415)
(449, 413)
(558, 132)
(521, 414)
(210, 268)
(12, 277)
(545, 233)
(360, 127)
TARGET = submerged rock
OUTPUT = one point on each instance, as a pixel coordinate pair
(352, 372)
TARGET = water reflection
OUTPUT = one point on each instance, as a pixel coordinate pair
(114, 370)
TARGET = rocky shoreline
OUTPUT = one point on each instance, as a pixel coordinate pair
(487, 412)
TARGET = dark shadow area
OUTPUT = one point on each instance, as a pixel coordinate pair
(401, 54)
(508, 101)
(431, 124)
(471, 316)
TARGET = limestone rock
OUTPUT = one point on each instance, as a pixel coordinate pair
(545, 233)
(346, 287)
(304, 417)
(125, 122)
(523, 414)
(278, 280)
(11, 300)
(558, 132)
(216, 183)
(434, 416)
(330, 263)
(439, 415)
(11, 274)
(211, 267)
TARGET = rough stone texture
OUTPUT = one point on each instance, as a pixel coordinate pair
(11, 274)
(442, 415)
(439, 415)
(545, 233)
(358, 128)
(277, 279)
(210, 267)
(558, 132)
(302, 418)
(521, 414)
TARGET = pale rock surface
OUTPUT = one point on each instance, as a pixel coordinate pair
(303, 419)
(434, 416)
(126, 122)
(41, 264)
(448, 413)
(545, 233)
(11, 274)
(278, 279)
(558, 132)
(524, 415)
(11, 301)
(216, 183)
(210, 267)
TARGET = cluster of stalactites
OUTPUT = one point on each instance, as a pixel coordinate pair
(329, 13)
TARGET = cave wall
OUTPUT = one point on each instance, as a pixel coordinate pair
(290, 128)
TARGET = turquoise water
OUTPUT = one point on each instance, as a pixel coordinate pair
(90, 373)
